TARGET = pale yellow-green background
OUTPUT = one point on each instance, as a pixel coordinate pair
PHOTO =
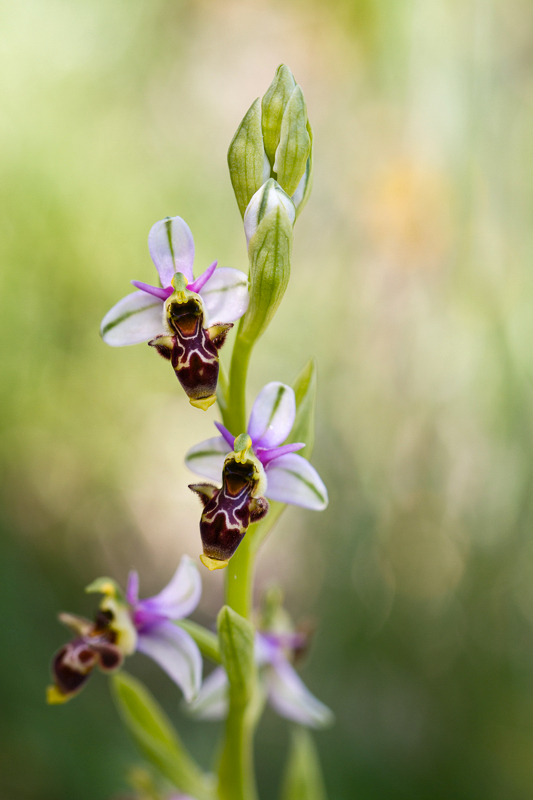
(412, 285)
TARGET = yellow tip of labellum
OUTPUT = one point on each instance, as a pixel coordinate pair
(213, 563)
(54, 697)
(204, 403)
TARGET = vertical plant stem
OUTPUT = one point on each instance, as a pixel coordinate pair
(236, 774)
(240, 578)
(236, 779)
(235, 412)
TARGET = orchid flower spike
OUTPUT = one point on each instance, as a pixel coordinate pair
(186, 320)
(123, 625)
(252, 467)
(276, 650)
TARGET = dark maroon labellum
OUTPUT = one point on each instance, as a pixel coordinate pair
(229, 511)
(193, 350)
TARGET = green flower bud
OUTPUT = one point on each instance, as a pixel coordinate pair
(269, 197)
(274, 140)
(270, 266)
(248, 165)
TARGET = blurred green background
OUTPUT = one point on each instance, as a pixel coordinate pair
(412, 284)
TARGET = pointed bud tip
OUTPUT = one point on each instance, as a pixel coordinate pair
(213, 563)
(204, 403)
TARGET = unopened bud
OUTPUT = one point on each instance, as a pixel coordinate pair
(268, 198)
(270, 266)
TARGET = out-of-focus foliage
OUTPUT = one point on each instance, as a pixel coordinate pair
(411, 283)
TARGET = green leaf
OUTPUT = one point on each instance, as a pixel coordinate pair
(246, 157)
(156, 737)
(303, 429)
(236, 637)
(270, 269)
(206, 641)
(273, 105)
(294, 144)
(303, 777)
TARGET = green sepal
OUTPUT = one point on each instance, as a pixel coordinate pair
(294, 144)
(302, 779)
(303, 430)
(206, 640)
(156, 737)
(299, 202)
(270, 267)
(273, 105)
(246, 157)
(236, 639)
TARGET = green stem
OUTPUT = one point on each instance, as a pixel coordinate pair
(234, 415)
(236, 772)
(240, 578)
(236, 779)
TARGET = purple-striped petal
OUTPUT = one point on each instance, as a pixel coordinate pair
(132, 589)
(207, 458)
(136, 318)
(172, 248)
(175, 652)
(291, 479)
(180, 596)
(228, 437)
(155, 291)
(201, 281)
(289, 696)
(272, 415)
(211, 702)
(225, 296)
(266, 455)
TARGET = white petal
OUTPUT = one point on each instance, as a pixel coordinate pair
(172, 248)
(225, 295)
(180, 596)
(212, 700)
(292, 479)
(207, 458)
(291, 698)
(269, 197)
(136, 318)
(176, 652)
(272, 415)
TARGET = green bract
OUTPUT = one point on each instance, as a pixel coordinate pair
(270, 267)
(157, 738)
(248, 164)
(303, 778)
(273, 105)
(294, 144)
(303, 429)
(236, 639)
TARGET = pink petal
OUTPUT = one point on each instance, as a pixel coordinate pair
(156, 291)
(229, 437)
(202, 279)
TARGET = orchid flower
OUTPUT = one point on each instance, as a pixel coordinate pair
(186, 320)
(123, 625)
(285, 691)
(249, 466)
